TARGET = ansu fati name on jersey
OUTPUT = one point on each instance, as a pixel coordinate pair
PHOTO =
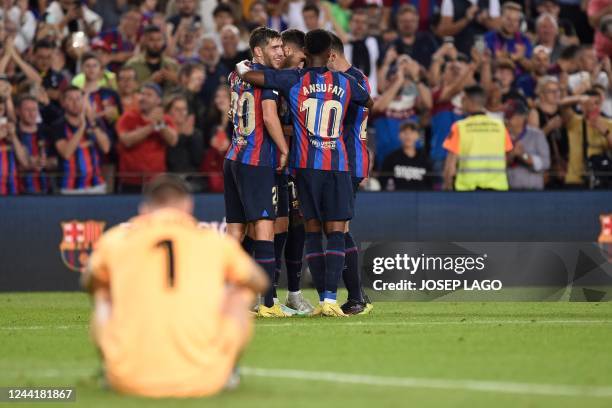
(318, 88)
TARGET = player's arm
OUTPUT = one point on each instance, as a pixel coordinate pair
(273, 124)
(281, 79)
(359, 95)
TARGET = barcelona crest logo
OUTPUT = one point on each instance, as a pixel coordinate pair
(78, 241)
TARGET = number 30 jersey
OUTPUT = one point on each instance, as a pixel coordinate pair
(251, 143)
(318, 100)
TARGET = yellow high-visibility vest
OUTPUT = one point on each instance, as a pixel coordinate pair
(482, 154)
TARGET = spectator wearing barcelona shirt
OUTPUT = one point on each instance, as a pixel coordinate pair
(80, 143)
(12, 154)
(144, 135)
(34, 179)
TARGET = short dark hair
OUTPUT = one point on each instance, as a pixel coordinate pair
(71, 88)
(25, 97)
(569, 52)
(151, 28)
(171, 99)
(165, 188)
(336, 43)
(223, 8)
(126, 68)
(261, 36)
(407, 8)
(475, 92)
(294, 36)
(317, 41)
(89, 55)
(312, 7)
(43, 44)
(409, 124)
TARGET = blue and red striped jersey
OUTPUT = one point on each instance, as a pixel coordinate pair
(356, 136)
(34, 181)
(318, 100)
(83, 169)
(251, 142)
(8, 169)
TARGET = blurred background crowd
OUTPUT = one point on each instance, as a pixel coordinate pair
(98, 96)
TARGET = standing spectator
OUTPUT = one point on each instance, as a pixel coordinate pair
(186, 156)
(217, 133)
(187, 15)
(110, 11)
(216, 71)
(508, 41)
(547, 35)
(127, 87)
(530, 156)
(477, 148)
(80, 143)
(566, 30)
(191, 78)
(93, 75)
(186, 49)
(363, 50)
(34, 179)
(12, 154)
(405, 93)
(420, 46)
(407, 168)
(527, 83)
(223, 15)
(72, 16)
(152, 65)
(589, 72)
(600, 18)
(230, 39)
(447, 93)
(547, 116)
(144, 135)
(25, 24)
(120, 41)
(466, 20)
(590, 139)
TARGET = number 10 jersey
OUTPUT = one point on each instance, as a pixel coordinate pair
(318, 100)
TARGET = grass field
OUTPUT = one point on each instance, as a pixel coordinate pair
(403, 355)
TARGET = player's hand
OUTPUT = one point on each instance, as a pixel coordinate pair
(243, 67)
(284, 157)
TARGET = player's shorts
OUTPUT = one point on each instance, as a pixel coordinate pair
(325, 195)
(282, 195)
(356, 182)
(249, 192)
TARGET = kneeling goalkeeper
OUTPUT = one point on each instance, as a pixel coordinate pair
(171, 300)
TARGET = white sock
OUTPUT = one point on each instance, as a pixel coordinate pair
(295, 293)
(276, 302)
(329, 300)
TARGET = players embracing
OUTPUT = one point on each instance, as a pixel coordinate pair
(319, 100)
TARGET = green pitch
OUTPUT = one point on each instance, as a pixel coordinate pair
(403, 355)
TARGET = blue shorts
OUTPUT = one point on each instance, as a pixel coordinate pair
(249, 192)
(282, 195)
(325, 195)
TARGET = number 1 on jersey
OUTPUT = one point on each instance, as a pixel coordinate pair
(169, 247)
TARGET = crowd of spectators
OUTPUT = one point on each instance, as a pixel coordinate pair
(97, 96)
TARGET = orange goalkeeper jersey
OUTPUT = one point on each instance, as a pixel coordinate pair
(167, 277)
